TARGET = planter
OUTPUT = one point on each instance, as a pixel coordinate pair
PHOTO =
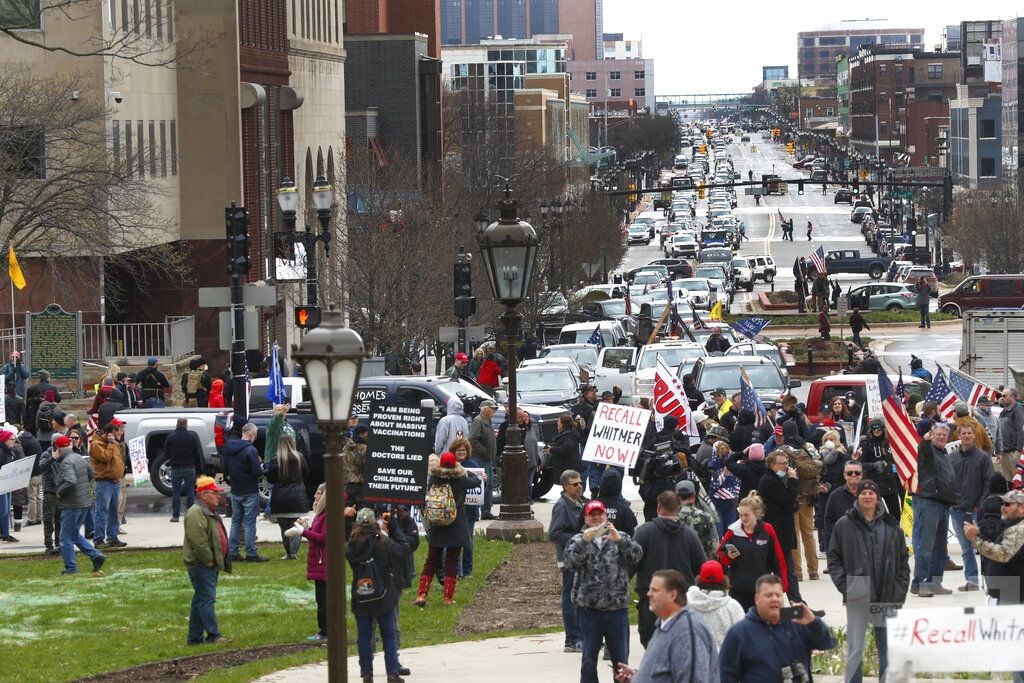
(769, 306)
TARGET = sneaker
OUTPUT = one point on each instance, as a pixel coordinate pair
(941, 590)
(573, 647)
(235, 558)
(952, 566)
(218, 640)
(32, 523)
(174, 519)
(17, 526)
(10, 539)
(395, 678)
(487, 516)
(116, 544)
(812, 577)
(52, 551)
(98, 544)
(968, 587)
(97, 563)
(256, 558)
(404, 670)
(318, 638)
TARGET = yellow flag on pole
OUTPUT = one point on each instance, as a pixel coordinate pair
(716, 312)
(14, 270)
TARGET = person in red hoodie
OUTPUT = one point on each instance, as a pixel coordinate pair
(217, 394)
(490, 374)
(316, 559)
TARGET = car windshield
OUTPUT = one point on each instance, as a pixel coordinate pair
(582, 355)
(712, 272)
(552, 299)
(672, 357)
(647, 279)
(695, 285)
(614, 308)
(765, 378)
(461, 390)
(739, 263)
(528, 379)
(638, 229)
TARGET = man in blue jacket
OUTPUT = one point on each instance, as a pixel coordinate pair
(242, 466)
(761, 647)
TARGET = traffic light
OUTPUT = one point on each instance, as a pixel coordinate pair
(307, 317)
(237, 220)
(799, 187)
(463, 280)
(856, 187)
(790, 147)
(700, 191)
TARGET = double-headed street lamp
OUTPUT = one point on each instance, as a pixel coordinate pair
(509, 251)
(331, 356)
(323, 198)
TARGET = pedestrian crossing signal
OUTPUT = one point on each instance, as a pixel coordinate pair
(307, 317)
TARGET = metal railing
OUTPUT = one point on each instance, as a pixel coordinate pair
(174, 338)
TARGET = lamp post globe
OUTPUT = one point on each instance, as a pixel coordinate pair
(331, 357)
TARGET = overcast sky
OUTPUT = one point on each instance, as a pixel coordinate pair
(712, 48)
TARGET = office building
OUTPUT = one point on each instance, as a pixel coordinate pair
(614, 83)
(616, 46)
(774, 73)
(1012, 95)
(817, 51)
(975, 142)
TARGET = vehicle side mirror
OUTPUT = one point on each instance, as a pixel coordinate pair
(501, 396)
(428, 403)
(627, 368)
(794, 383)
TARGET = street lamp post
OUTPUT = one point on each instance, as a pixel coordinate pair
(331, 356)
(323, 198)
(509, 251)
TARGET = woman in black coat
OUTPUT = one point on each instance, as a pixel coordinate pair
(373, 552)
(287, 471)
(565, 448)
(778, 489)
(450, 539)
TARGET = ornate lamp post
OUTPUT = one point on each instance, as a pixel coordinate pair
(331, 356)
(509, 251)
(323, 198)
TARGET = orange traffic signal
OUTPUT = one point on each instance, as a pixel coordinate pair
(307, 317)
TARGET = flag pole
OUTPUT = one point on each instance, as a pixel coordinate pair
(13, 323)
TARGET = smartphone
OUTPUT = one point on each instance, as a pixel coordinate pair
(791, 613)
(602, 529)
(969, 517)
(731, 548)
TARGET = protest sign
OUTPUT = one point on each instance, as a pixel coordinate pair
(140, 463)
(616, 435)
(476, 496)
(670, 399)
(955, 639)
(16, 475)
(397, 446)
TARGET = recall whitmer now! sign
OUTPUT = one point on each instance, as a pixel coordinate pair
(616, 435)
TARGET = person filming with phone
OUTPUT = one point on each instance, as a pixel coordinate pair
(603, 559)
(772, 643)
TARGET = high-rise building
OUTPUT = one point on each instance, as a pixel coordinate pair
(1013, 65)
(951, 38)
(774, 73)
(468, 22)
(818, 50)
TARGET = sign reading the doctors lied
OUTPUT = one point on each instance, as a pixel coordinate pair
(395, 470)
(951, 638)
(616, 435)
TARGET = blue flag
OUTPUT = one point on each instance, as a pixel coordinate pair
(901, 390)
(751, 327)
(595, 338)
(276, 389)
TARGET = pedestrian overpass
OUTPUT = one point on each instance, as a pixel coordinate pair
(705, 101)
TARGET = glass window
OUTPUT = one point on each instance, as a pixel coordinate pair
(591, 75)
(894, 38)
(988, 128)
(823, 54)
(639, 92)
(410, 397)
(140, 155)
(174, 147)
(615, 92)
(988, 167)
(24, 14)
(163, 149)
(23, 148)
(152, 149)
(934, 71)
(555, 379)
(614, 75)
(915, 39)
(808, 42)
(617, 358)
(115, 139)
(808, 54)
(149, 18)
(672, 357)
(765, 378)
(639, 75)
(591, 92)
(128, 159)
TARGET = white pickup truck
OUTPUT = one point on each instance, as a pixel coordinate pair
(633, 368)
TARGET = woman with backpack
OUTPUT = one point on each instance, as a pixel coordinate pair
(448, 530)
(373, 551)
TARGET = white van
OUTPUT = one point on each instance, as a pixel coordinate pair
(611, 331)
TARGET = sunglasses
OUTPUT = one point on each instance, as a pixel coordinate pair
(1006, 505)
(876, 428)
(76, 438)
(576, 483)
(854, 474)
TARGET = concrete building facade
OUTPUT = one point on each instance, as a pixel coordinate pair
(975, 142)
(817, 51)
(1012, 95)
(613, 83)
(469, 22)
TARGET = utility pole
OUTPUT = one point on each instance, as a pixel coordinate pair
(465, 302)
(237, 220)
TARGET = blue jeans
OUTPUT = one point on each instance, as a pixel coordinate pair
(71, 520)
(925, 317)
(244, 508)
(727, 514)
(931, 523)
(107, 526)
(956, 518)
(610, 625)
(488, 466)
(570, 619)
(183, 480)
(530, 473)
(593, 477)
(5, 515)
(388, 625)
(202, 617)
(467, 553)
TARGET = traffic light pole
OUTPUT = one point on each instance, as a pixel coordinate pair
(465, 303)
(236, 224)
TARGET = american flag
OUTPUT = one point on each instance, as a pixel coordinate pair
(276, 390)
(595, 338)
(942, 395)
(698, 323)
(970, 389)
(818, 259)
(900, 431)
(901, 389)
(751, 401)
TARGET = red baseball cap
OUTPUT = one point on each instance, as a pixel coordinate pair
(117, 422)
(62, 441)
(207, 484)
(462, 357)
(592, 506)
(711, 572)
(778, 430)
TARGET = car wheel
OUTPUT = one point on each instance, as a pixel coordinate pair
(160, 474)
(750, 287)
(769, 276)
(951, 309)
(893, 308)
(875, 272)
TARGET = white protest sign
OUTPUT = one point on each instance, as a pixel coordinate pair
(476, 496)
(140, 464)
(3, 411)
(670, 399)
(617, 434)
(874, 396)
(16, 475)
(951, 638)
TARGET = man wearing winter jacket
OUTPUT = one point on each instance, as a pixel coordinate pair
(603, 560)
(566, 522)
(74, 480)
(841, 500)
(485, 448)
(935, 495)
(1011, 434)
(869, 564)
(452, 426)
(242, 466)
(184, 455)
(616, 507)
(666, 543)
(972, 468)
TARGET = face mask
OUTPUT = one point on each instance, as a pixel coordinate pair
(827, 446)
(780, 475)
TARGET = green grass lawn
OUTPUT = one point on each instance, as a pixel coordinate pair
(58, 628)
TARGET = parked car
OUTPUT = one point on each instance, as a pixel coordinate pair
(611, 332)
(546, 383)
(742, 274)
(858, 213)
(585, 355)
(882, 296)
(769, 351)
(824, 390)
(914, 275)
(684, 246)
(638, 233)
(762, 267)
(984, 291)
(712, 372)
(843, 195)
(677, 267)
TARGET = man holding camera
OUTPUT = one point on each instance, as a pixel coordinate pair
(772, 643)
(869, 564)
(603, 560)
(973, 470)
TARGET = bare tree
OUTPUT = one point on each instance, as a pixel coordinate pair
(62, 191)
(985, 227)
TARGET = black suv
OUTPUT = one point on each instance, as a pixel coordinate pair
(843, 195)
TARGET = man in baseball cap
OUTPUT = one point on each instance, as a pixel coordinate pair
(459, 370)
(603, 559)
(205, 552)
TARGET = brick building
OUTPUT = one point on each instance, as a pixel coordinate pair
(878, 84)
(817, 51)
(613, 83)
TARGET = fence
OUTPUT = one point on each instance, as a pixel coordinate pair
(174, 338)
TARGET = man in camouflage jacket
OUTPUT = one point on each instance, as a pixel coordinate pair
(697, 518)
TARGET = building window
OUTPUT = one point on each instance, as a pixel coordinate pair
(832, 40)
(830, 111)
(115, 139)
(808, 42)
(591, 75)
(615, 92)
(174, 147)
(808, 54)
(163, 148)
(639, 75)
(823, 54)
(591, 92)
(129, 160)
(934, 72)
(615, 75)
(987, 167)
(915, 39)
(152, 149)
(140, 147)
(639, 92)
(23, 149)
(987, 128)
(23, 14)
